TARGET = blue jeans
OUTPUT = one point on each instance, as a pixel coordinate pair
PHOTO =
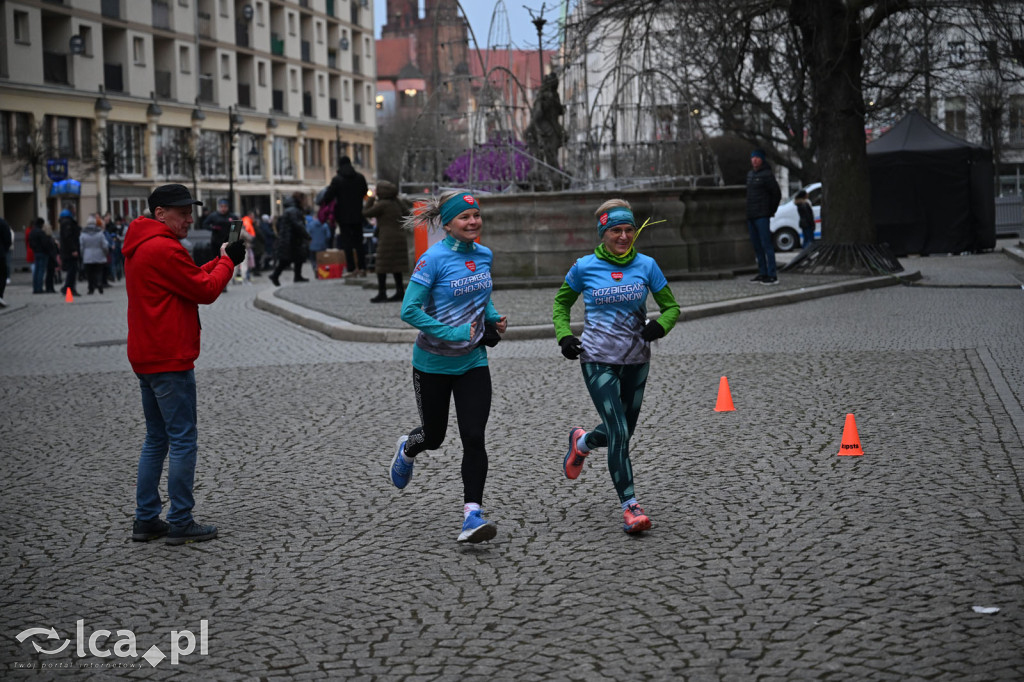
(39, 273)
(761, 237)
(169, 403)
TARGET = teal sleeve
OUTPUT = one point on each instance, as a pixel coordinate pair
(491, 313)
(560, 315)
(669, 308)
(416, 296)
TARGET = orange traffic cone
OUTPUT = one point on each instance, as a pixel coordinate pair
(851, 441)
(67, 295)
(724, 403)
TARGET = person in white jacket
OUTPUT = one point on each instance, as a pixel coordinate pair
(94, 250)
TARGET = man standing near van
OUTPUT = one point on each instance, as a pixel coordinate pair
(165, 288)
(763, 196)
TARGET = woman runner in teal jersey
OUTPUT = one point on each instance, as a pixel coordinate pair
(614, 350)
(449, 300)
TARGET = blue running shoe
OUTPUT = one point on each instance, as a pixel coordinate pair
(477, 529)
(400, 471)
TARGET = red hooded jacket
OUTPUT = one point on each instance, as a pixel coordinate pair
(164, 290)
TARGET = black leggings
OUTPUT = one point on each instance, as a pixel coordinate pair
(472, 392)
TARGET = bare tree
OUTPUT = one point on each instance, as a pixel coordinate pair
(34, 147)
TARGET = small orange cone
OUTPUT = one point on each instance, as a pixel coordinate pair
(851, 441)
(67, 295)
(724, 403)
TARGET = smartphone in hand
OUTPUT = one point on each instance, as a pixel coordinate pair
(235, 233)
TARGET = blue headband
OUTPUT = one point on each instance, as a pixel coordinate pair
(456, 205)
(616, 216)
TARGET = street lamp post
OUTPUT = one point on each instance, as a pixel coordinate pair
(234, 124)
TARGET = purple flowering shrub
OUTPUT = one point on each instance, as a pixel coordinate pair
(491, 166)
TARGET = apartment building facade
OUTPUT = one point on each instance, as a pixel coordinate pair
(103, 100)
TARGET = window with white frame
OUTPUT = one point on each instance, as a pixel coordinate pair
(21, 26)
(66, 137)
(85, 33)
(956, 116)
(225, 67)
(284, 157)
(261, 74)
(259, 14)
(293, 78)
(125, 148)
(321, 85)
(172, 151)
(139, 51)
(291, 24)
(314, 153)
(185, 59)
(346, 89)
(250, 155)
(319, 31)
(1015, 124)
(212, 153)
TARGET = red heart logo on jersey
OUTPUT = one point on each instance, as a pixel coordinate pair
(471, 265)
(617, 276)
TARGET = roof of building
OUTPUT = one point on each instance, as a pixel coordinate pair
(393, 54)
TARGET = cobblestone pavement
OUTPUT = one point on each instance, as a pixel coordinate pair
(770, 558)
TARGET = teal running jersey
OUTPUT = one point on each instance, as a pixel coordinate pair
(615, 300)
(459, 278)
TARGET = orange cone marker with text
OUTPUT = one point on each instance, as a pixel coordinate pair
(851, 441)
(724, 403)
(67, 295)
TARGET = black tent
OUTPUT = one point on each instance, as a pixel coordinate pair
(931, 192)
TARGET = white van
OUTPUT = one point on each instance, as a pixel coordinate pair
(785, 223)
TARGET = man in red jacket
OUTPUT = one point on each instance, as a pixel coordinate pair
(164, 290)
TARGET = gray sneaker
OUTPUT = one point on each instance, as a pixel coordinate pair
(190, 532)
(144, 531)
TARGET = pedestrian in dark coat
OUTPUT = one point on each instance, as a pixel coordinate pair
(763, 195)
(348, 189)
(392, 246)
(70, 235)
(292, 239)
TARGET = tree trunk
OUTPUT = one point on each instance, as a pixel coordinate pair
(832, 41)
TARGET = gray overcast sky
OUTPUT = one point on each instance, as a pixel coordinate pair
(521, 32)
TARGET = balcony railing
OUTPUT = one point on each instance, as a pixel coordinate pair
(206, 88)
(112, 79)
(278, 100)
(161, 14)
(163, 84)
(205, 25)
(330, 8)
(242, 33)
(55, 68)
(276, 45)
(244, 97)
(111, 9)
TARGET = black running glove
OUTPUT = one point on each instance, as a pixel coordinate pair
(491, 336)
(236, 251)
(571, 347)
(652, 330)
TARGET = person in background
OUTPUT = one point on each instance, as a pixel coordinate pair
(392, 245)
(219, 224)
(266, 229)
(94, 250)
(70, 236)
(319, 236)
(348, 189)
(40, 244)
(164, 288)
(806, 212)
(6, 242)
(114, 234)
(292, 238)
(763, 196)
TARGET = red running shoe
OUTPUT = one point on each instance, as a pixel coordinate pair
(634, 520)
(573, 462)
